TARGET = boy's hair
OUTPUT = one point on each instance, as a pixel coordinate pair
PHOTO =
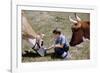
(56, 31)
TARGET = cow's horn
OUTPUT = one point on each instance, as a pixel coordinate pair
(72, 20)
(78, 18)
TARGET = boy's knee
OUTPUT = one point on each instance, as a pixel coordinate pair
(59, 51)
(67, 49)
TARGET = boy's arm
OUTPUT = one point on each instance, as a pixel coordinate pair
(51, 47)
(59, 46)
(56, 46)
(61, 43)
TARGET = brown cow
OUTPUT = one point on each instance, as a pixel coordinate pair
(80, 30)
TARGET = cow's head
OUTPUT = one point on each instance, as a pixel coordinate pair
(77, 31)
(39, 41)
(36, 42)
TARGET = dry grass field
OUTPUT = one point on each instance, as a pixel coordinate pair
(45, 22)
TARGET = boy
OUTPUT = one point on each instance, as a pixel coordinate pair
(61, 45)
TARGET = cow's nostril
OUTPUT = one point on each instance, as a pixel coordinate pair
(70, 43)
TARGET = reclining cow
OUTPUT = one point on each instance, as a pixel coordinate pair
(80, 30)
(34, 39)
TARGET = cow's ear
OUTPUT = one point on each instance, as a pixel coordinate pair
(42, 35)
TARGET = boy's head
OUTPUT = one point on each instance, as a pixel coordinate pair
(56, 32)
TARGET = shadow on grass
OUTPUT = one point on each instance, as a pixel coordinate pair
(33, 54)
(30, 54)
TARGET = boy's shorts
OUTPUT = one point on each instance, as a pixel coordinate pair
(60, 51)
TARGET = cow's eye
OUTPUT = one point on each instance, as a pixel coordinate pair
(75, 29)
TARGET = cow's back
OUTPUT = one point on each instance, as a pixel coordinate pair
(26, 27)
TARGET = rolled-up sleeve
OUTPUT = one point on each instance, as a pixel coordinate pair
(63, 40)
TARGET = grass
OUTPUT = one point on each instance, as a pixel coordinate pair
(45, 22)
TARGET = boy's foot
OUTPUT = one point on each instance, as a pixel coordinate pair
(66, 55)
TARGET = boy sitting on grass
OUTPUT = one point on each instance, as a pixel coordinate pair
(61, 45)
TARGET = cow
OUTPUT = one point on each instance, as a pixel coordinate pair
(34, 39)
(80, 30)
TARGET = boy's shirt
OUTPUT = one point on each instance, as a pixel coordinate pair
(62, 40)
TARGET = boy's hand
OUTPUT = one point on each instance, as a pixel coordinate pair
(53, 46)
(59, 46)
